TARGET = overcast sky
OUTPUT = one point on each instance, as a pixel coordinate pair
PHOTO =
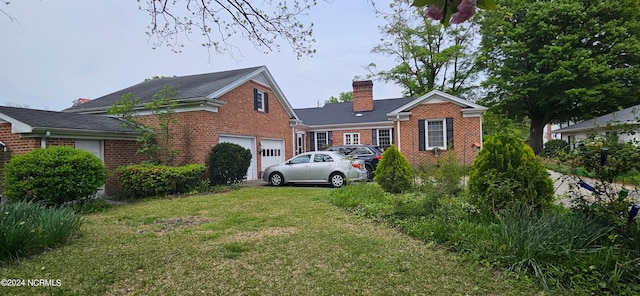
(57, 51)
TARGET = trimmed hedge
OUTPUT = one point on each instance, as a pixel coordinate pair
(228, 164)
(143, 180)
(55, 175)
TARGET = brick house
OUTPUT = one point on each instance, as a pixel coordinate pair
(243, 106)
(422, 128)
(247, 107)
(22, 130)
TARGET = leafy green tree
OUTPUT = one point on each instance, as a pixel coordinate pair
(155, 140)
(506, 173)
(561, 60)
(56, 175)
(394, 172)
(343, 97)
(430, 56)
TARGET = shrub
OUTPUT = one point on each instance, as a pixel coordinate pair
(444, 177)
(27, 227)
(56, 174)
(228, 163)
(394, 171)
(143, 180)
(555, 147)
(507, 172)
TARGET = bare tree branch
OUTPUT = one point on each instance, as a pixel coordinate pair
(264, 23)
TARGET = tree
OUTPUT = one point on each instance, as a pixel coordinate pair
(343, 97)
(430, 56)
(261, 22)
(394, 173)
(561, 60)
(156, 141)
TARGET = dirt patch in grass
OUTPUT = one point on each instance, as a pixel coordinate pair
(171, 224)
(260, 234)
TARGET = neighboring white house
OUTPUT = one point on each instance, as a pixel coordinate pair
(626, 122)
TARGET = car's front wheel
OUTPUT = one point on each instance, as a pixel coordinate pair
(276, 179)
(337, 180)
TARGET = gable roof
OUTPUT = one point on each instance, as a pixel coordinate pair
(342, 113)
(208, 87)
(468, 108)
(629, 115)
(38, 122)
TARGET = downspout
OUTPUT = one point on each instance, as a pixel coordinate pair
(398, 132)
(293, 140)
(43, 140)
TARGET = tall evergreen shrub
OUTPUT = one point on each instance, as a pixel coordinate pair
(506, 172)
(394, 172)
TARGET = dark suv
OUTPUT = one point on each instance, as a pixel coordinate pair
(371, 154)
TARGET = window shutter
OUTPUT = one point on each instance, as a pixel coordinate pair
(374, 137)
(391, 135)
(255, 99)
(312, 141)
(422, 145)
(449, 122)
(330, 138)
(266, 103)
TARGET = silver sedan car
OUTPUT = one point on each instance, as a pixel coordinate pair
(322, 167)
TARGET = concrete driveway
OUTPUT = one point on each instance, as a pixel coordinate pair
(562, 185)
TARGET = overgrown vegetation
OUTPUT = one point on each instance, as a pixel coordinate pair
(394, 173)
(563, 250)
(27, 228)
(228, 164)
(144, 180)
(54, 175)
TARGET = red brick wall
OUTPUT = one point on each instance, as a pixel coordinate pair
(198, 131)
(119, 153)
(16, 145)
(470, 126)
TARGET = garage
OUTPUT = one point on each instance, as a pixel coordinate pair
(272, 152)
(247, 143)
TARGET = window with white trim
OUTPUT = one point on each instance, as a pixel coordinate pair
(436, 134)
(321, 141)
(352, 138)
(384, 138)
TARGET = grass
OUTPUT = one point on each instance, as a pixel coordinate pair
(252, 241)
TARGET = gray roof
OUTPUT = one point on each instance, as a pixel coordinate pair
(192, 86)
(342, 113)
(40, 120)
(629, 115)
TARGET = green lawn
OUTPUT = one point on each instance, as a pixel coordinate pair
(252, 241)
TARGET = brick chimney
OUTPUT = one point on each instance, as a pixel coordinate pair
(362, 96)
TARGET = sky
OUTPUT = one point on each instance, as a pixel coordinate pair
(56, 51)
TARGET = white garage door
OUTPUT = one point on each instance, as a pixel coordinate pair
(247, 143)
(272, 152)
(95, 147)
